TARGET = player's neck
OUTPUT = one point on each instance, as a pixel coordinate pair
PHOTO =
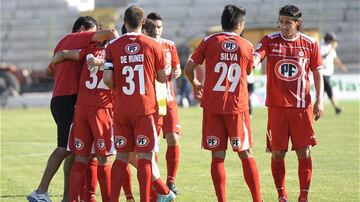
(136, 30)
(291, 36)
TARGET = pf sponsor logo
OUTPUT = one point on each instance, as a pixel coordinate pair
(120, 141)
(288, 70)
(229, 46)
(100, 144)
(235, 142)
(142, 141)
(79, 144)
(212, 141)
(132, 48)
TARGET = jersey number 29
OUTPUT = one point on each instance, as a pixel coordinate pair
(231, 74)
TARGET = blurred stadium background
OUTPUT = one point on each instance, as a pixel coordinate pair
(31, 29)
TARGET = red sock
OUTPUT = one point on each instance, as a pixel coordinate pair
(304, 172)
(118, 171)
(219, 178)
(127, 186)
(160, 187)
(76, 178)
(153, 195)
(252, 178)
(91, 179)
(144, 178)
(104, 172)
(172, 162)
(278, 172)
(83, 192)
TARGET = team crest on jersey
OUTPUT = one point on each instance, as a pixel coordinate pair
(235, 142)
(100, 144)
(212, 141)
(142, 141)
(120, 141)
(288, 70)
(79, 144)
(132, 48)
(229, 46)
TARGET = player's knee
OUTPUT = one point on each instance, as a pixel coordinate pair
(103, 160)
(244, 154)
(303, 153)
(61, 152)
(172, 139)
(278, 155)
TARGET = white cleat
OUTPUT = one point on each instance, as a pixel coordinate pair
(35, 197)
(166, 198)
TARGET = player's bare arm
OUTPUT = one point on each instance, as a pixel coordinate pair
(319, 88)
(161, 75)
(257, 60)
(50, 70)
(66, 55)
(107, 34)
(190, 75)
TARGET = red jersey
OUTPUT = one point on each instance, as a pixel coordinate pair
(67, 73)
(288, 64)
(227, 57)
(92, 89)
(172, 61)
(135, 58)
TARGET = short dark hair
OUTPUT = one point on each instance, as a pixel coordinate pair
(150, 28)
(123, 29)
(291, 11)
(87, 21)
(134, 16)
(154, 16)
(231, 16)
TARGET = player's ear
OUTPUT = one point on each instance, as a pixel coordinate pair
(82, 28)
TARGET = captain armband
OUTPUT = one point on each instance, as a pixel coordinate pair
(108, 66)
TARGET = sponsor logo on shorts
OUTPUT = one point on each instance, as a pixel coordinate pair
(229, 46)
(236, 142)
(120, 141)
(142, 141)
(288, 70)
(212, 141)
(79, 144)
(101, 144)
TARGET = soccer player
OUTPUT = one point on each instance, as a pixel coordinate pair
(329, 55)
(66, 76)
(133, 62)
(224, 98)
(170, 124)
(93, 121)
(290, 56)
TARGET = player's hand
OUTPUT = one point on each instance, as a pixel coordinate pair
(58, 57)
(91, 63)
(176, 72)
(198, 91)
(318, 110)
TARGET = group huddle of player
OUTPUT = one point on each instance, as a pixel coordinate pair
(114, 94)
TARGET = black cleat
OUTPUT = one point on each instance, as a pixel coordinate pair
(338, 110)
(172, 187)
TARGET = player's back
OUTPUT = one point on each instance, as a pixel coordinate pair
(135, 58)
(227, 57)
(67, 73)
(92, 89)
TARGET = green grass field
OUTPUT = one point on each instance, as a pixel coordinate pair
(28, 137)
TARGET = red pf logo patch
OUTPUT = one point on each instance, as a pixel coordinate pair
(101, 144)
(212, 141)
(229, 46)
(288, 70)
(79, 144)
(132, 48)
(120, 141)
(235, 142)
(142, 141)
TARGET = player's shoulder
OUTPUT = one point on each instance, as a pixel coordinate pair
(245, 41)
(273, 35)
(167, 42)
(308, 38)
